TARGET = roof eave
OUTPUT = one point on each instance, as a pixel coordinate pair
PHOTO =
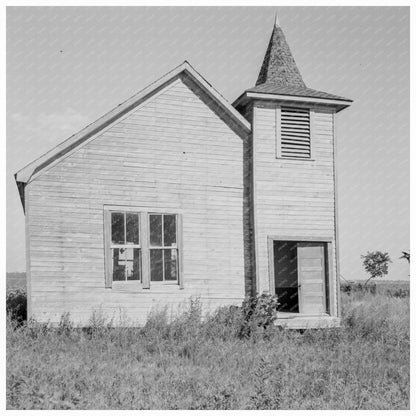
(338, 104)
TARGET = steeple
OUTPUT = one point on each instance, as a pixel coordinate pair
(279, 68)
(279, 78)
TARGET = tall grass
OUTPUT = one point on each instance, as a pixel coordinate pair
(203, 362)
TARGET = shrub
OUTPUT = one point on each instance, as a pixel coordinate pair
(259, 314)
(16, 305)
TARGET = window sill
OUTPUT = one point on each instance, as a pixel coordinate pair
(303, 159)
(136, 286)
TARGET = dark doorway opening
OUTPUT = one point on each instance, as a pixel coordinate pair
(286, 275)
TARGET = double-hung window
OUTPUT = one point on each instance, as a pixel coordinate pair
(142, 247)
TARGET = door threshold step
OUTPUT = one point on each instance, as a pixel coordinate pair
(296, 321)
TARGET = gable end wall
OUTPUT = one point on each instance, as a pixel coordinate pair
(175, 154)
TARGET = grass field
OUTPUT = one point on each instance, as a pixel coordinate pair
(202, 364)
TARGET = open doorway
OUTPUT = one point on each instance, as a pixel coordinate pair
(300, 278)
(286, 275)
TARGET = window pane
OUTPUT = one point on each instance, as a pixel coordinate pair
(119, 264)
(137, 264)
(132, 228)
(155, 230)
(169, 230)
(171, 264)
(117, 227)
(156, 265)
(132, 263)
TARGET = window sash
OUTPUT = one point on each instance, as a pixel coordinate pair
(164, 248)
(126, 246)
(125, 230)
(125, 263)
(164, 263)
(162, 231)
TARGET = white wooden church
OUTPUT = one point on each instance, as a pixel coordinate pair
(177, 193)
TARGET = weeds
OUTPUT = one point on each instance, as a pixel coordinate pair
(268, 385)
(234, 358)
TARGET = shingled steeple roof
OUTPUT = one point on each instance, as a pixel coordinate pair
(280, 75)
(279, 67)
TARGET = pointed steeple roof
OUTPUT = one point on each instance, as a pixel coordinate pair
(279, 67)
(279, 76)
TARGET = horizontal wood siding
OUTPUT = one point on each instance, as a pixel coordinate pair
(173, 154)
(292, 197)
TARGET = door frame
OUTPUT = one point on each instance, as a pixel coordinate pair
(329, 263)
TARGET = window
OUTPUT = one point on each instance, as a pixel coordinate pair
(295, 133)
(163, 248)
(142, 247)
(125, 246)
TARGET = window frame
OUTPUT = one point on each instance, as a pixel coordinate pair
(145, 247)
(278, 132)
(162, 248)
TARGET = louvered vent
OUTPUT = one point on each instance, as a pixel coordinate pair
(295, 133)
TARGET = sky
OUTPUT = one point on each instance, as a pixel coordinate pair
(67, 66)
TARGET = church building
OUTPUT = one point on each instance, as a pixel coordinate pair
(176, 193)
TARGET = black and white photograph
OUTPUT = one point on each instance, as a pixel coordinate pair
(207, 207)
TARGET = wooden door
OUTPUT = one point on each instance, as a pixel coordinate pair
(311, 275)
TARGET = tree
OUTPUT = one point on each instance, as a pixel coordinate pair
(376, 264)
(406, 255)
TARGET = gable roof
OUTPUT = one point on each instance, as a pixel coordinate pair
(280, 78)
(26, 173)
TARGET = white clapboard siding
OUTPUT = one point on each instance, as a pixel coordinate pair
(174, 153)
(296, 196)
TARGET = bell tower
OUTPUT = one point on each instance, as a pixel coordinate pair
(292, 183)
